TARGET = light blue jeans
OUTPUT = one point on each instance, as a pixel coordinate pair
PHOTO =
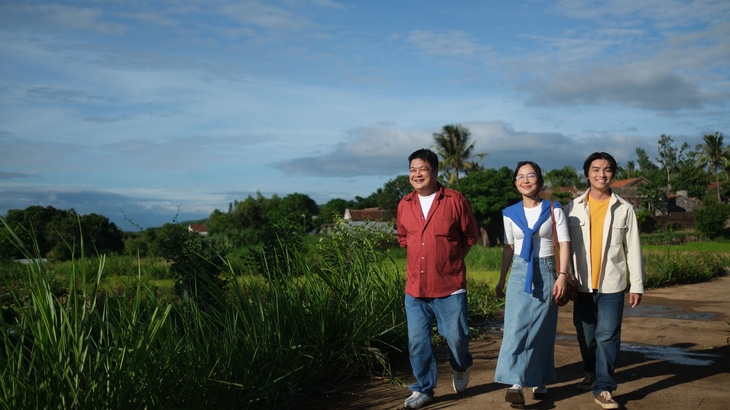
(450, 315)
(527, 354)
(597, 319)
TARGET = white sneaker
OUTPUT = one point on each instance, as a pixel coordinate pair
(461, 380)
(416, 400)
(515, 397)
(605, 400)
(539, 392)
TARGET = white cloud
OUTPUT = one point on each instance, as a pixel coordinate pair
(446, 44)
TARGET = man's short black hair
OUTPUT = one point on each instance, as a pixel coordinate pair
(595, 156)
(426, 155)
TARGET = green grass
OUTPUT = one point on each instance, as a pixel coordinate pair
(109, 332)
(691, 247)
(112, 343)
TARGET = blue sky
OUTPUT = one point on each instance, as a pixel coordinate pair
(148, 109)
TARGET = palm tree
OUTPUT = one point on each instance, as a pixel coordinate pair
(452, 145)
(713, 155)
(630, 169)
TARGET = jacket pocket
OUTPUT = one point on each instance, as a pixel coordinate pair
(618, 231)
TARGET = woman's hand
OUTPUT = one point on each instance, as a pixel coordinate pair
(560, 289)
(499, 289)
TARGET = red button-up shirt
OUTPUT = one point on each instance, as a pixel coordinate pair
(437, 245)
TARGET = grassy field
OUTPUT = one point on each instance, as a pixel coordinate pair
(111, 332)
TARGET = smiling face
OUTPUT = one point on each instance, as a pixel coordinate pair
(526, 181)
(600, 175)
(422, 177)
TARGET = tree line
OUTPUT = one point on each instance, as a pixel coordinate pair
(59, 233)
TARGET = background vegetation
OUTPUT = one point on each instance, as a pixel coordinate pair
(283, 297)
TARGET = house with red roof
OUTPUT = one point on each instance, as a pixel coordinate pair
(200, 229)
(371, 217)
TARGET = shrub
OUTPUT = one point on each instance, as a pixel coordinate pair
(675, 268)
(710, 219)
(341, 242)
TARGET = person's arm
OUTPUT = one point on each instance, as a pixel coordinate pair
(507, 252)
(634, 260)
(400, 229)
(560, 290)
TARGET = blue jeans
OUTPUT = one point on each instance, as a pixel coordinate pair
(450, 314)
(597, 319)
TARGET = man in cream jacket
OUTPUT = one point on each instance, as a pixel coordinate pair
(605, 250)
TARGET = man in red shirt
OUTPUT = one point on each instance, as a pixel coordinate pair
(438, 227)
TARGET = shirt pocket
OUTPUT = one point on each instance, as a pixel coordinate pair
(443, 226)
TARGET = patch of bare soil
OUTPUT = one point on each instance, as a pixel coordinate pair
(675, 355)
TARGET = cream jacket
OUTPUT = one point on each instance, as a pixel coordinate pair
(621, 247)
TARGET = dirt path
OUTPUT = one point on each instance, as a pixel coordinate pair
(675, 355)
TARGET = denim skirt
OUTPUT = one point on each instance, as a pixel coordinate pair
(527, 354)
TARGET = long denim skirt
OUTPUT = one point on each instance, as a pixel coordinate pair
(527, 354)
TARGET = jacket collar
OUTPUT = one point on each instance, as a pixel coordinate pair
(583, 199)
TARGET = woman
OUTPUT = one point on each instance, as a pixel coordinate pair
(526, 357)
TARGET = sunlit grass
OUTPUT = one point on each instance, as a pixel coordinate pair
(105, 332)
(112, 343)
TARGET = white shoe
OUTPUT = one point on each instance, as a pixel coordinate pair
(416, 400)
(605, 400)
(461, 380)
(515, 397)
(539, 392)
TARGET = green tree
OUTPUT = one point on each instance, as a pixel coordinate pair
(489, 191)
(331, 211)
(672, 158)
(713, 155)
(299, 208)
(58, 233)
(711, 218)
(101, 233)
(691, 179)
(652, 196)
(392, 192)
(455, 150)
(195, 265)
(566, 176)
(648, 168)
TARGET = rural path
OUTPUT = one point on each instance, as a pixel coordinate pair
(675, 355)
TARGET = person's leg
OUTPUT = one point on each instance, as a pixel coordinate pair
(608, 339)
(511, 362)
(541, 333)
(584, 319)
(451, 319)
(420, 317)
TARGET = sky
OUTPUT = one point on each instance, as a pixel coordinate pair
(162, 111)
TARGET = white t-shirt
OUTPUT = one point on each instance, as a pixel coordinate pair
(542, 243)
(426, 202)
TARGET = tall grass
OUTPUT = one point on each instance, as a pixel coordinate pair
(265, 343)
(674, 268)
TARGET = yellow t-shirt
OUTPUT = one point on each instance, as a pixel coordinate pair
(598, 215)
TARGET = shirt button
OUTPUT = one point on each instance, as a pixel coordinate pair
(422, 243)
(421, 257)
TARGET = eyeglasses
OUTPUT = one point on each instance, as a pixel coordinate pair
(529, 176)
